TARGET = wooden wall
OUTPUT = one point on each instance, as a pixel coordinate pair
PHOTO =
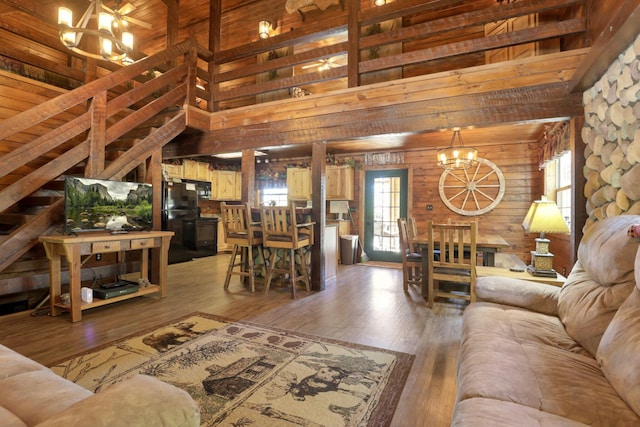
(518, 161)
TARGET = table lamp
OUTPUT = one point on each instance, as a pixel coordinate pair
(543, 217)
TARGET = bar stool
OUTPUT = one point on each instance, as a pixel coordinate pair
(282, 233)
(245, 235)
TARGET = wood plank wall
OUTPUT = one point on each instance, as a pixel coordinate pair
(524, 182)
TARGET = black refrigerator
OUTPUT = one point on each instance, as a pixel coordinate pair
(194, 237)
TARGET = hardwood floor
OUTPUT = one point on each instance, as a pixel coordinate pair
(365, 305)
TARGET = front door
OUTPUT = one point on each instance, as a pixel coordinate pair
(385, 202)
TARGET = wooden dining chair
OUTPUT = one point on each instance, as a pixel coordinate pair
(284, 237)
(245, 236)
(451, 241)
(411, 260)
(412, 231)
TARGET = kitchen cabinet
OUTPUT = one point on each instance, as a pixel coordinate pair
(339, 182)
(225, 185)
(223, 246)
(299, 183)
(202, 171)
(189, 169)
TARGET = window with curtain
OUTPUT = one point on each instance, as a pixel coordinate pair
(558, 174)
(555, 158)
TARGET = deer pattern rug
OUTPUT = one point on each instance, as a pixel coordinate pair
(245, 375)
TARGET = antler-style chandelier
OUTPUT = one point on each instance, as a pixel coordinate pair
(457, 156)
(114, 41)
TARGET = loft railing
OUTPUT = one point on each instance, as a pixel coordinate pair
(282, 64)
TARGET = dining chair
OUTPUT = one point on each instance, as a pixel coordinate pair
(245, 236)
(411, 260)
(452, 266)
(285, 238)
(412, 231)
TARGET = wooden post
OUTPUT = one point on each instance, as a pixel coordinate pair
(97, 135)
(353, 52)
(248, 176)
(318, 213)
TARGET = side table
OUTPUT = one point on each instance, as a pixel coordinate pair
(483, 271)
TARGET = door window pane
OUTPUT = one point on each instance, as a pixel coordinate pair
(386, 206)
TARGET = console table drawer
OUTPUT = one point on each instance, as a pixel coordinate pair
(142, 243)
(101, 247)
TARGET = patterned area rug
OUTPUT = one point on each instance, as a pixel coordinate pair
(244, 374)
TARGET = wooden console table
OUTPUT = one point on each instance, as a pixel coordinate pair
(73, 247)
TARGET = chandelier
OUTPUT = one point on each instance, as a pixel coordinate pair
(457, 156)
(114, 42)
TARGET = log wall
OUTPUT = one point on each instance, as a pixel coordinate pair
(612, 134)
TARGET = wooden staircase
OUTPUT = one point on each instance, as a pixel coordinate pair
(105, 129)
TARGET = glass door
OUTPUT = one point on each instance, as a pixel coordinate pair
(385, 202)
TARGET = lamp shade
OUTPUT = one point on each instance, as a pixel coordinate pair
(544, 217)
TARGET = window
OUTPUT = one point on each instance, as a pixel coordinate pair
(274, 197)
(558, 183)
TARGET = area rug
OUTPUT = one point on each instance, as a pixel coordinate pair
(244, 374)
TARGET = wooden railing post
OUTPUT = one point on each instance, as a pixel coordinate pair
(97, 135)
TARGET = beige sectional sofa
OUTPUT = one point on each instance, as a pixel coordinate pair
(538, 355)
(32, 395)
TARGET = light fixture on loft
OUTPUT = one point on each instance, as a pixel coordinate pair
(237, 154)
(114, 42)
(543, 217)
(457, 156)
(265, 28)
(380, 2)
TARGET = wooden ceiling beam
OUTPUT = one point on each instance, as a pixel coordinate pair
(622, 30)
(516, 105)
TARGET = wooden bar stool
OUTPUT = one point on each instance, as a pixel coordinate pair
(245, 236)
(281, 232)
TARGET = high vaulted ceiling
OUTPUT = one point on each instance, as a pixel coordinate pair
(238, 29)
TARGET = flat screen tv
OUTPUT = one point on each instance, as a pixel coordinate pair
(104, 205)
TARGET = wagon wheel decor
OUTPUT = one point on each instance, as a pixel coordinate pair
(473, 191)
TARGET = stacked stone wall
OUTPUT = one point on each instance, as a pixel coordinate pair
(612, 134)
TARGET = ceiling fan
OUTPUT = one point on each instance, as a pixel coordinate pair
(326, 63)
(121, 17)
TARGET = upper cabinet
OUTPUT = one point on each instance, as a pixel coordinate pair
(299, 183)
(225, 185)
(190, 169)
(340, 182)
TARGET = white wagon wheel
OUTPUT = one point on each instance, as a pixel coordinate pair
(473, 191)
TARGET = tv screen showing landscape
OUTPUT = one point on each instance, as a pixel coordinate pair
(99, 205)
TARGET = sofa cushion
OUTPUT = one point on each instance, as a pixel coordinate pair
(479, 412)
(619, 349)
(13, 363)
(10, 420)
(518, 324)
(534, 366)
(35, 396)
(136, 401)
(600, 281)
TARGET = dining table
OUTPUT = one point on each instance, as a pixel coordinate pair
(488, 244)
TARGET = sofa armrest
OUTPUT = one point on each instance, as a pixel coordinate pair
(138, 401)
(535, 296)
